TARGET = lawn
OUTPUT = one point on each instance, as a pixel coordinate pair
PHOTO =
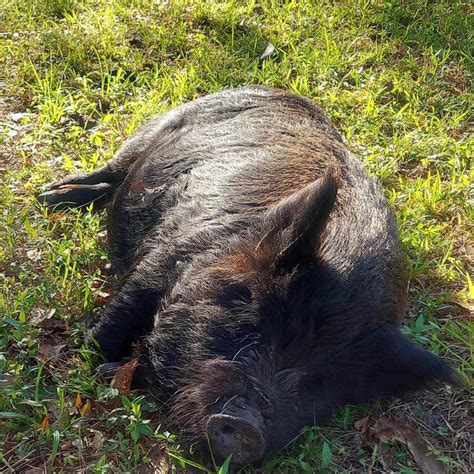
(79, 76)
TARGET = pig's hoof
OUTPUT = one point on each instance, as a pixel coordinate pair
(74, 195)
(107, 370)
(231, 435)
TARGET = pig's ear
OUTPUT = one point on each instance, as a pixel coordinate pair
(401, 366)
(295, 224)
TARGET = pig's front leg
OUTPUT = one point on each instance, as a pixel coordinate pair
(130, 313)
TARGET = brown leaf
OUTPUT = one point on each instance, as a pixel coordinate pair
(363, 426)
(53, 323)
(97, 440)
(34, 255)
(54, 410)
(387, 459)
(38, 315)
(85, 410)
(156, 455)
(78, 402)
(124, 376)
(56, 216)
(388, 430)
(102, 298)
(7, 379)
(384, 430)
(43, 318)
(50, 352)
(44, 424)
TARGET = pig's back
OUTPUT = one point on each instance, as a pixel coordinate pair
(216, 163)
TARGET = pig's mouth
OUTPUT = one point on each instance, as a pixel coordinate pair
(224, 411)
(240, 436)
(238, 428)
(222, 414)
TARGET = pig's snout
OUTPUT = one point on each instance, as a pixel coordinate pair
(230, 434)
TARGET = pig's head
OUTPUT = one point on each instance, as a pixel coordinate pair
(264, 338)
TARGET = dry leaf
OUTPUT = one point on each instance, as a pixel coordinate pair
(78, 402)
(43, 318)
(85, 410)
(7, 379)
(56, 216)
(98, 439)
(50, 352)
(388, 430)
(269, 50)
(53, 323)
(363, 426)
(388, 460)
(156, 455)
(54, 410)
(102, 297)
(45, 423)
(38, 315)
(34, 255)
(124, 376)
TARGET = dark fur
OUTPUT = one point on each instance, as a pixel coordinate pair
(262, 268)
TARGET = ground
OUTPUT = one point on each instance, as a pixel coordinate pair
(77, 77)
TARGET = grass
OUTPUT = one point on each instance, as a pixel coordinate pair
(78, 76)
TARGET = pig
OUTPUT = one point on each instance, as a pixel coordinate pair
(263, 282)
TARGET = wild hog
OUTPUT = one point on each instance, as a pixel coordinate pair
(263, 276)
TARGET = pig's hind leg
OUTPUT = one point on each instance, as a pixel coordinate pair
(79, 190)
(99, 186)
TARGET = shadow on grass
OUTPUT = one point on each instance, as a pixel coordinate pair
(422, 24)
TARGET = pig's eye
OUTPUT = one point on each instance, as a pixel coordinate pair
(234, 294)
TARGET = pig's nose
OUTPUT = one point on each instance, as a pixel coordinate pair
(229, 434)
